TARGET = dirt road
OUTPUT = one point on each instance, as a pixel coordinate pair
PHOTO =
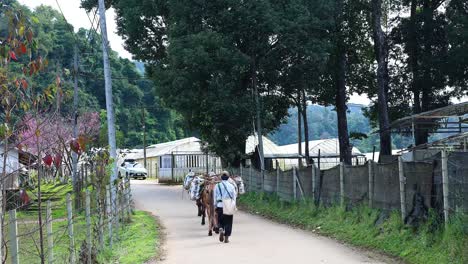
(254, 239)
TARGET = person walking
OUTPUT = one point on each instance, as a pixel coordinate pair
(225, 194)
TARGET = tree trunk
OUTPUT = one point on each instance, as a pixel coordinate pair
(413, 54)
(381, 54)
(340, 83)
(75, 127)
(306, 126)
(341, 108)
(427, 82)
(299, 129)
(259, 120)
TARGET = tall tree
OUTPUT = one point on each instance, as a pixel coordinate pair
(302, 54)
(381, 54)
(350, 66)
(424, 38)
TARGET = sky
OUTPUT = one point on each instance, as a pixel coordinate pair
(78, 18)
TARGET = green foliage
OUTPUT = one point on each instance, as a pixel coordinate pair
(54, 41)
(358, 227)
(322, 125)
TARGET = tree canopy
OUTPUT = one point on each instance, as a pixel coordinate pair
(133, 93)
(210, 58)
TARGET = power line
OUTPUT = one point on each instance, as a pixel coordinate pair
(69, 26)
(95, 77)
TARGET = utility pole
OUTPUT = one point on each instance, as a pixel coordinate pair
(75, 125)
(108, 89)
(144, 135)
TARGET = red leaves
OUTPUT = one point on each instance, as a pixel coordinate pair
(23, 48)
(58, 160)
(47, 160)
(83, 141)
(75, 146)
(24, 84)
(13, 55)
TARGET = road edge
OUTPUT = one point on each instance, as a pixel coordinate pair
(369, 252)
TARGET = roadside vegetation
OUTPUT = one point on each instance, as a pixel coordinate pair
(138, 240)
(365, 227)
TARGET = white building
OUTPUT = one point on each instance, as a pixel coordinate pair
(12, 168)
(287, 155)
(171, 161)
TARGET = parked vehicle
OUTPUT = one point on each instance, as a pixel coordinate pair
(132, 169)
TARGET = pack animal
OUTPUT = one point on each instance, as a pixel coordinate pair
(207, 201)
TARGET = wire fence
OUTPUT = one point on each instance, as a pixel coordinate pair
(437, 183)
(58, 231)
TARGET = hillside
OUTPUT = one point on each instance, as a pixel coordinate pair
(323, 125)
(132, 94)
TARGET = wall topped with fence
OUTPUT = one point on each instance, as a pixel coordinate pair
(439, 182)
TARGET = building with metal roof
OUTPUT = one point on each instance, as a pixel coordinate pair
(323, 151)
(171, 161)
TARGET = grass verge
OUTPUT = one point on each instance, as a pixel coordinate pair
(138, 239)
(139, 242)
(364, 227)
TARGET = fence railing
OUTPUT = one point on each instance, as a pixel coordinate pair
(66, 234)
(439, 183)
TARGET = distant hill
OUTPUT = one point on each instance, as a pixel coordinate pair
(140, 66)
(323, 125)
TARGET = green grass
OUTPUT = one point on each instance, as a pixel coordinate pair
(139, 242)
(56, 193)
(428, 244)
(138, 239)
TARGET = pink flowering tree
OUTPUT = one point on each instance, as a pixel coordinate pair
(52, 137)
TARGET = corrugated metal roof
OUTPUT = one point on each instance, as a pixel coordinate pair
(327, 147)
(191, 144)
(269, 147)
(456, 110)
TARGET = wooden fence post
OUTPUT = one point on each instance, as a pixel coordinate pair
(313, 173)
(445, 186)
(100, 209)
(14, 248)
(401, 175)
(342, 196)
(122, 202)
(294, 184)
(89, 244)
(250, 177)
(371, 183)
(86, 174)
(109, 214)
(277, 177)
(71, 236)
(116, 212)
(1, 220)
(298, 182)
(128, 194)
(50, 237)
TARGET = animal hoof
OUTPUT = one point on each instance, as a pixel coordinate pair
(202, 223)
(210, 233)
